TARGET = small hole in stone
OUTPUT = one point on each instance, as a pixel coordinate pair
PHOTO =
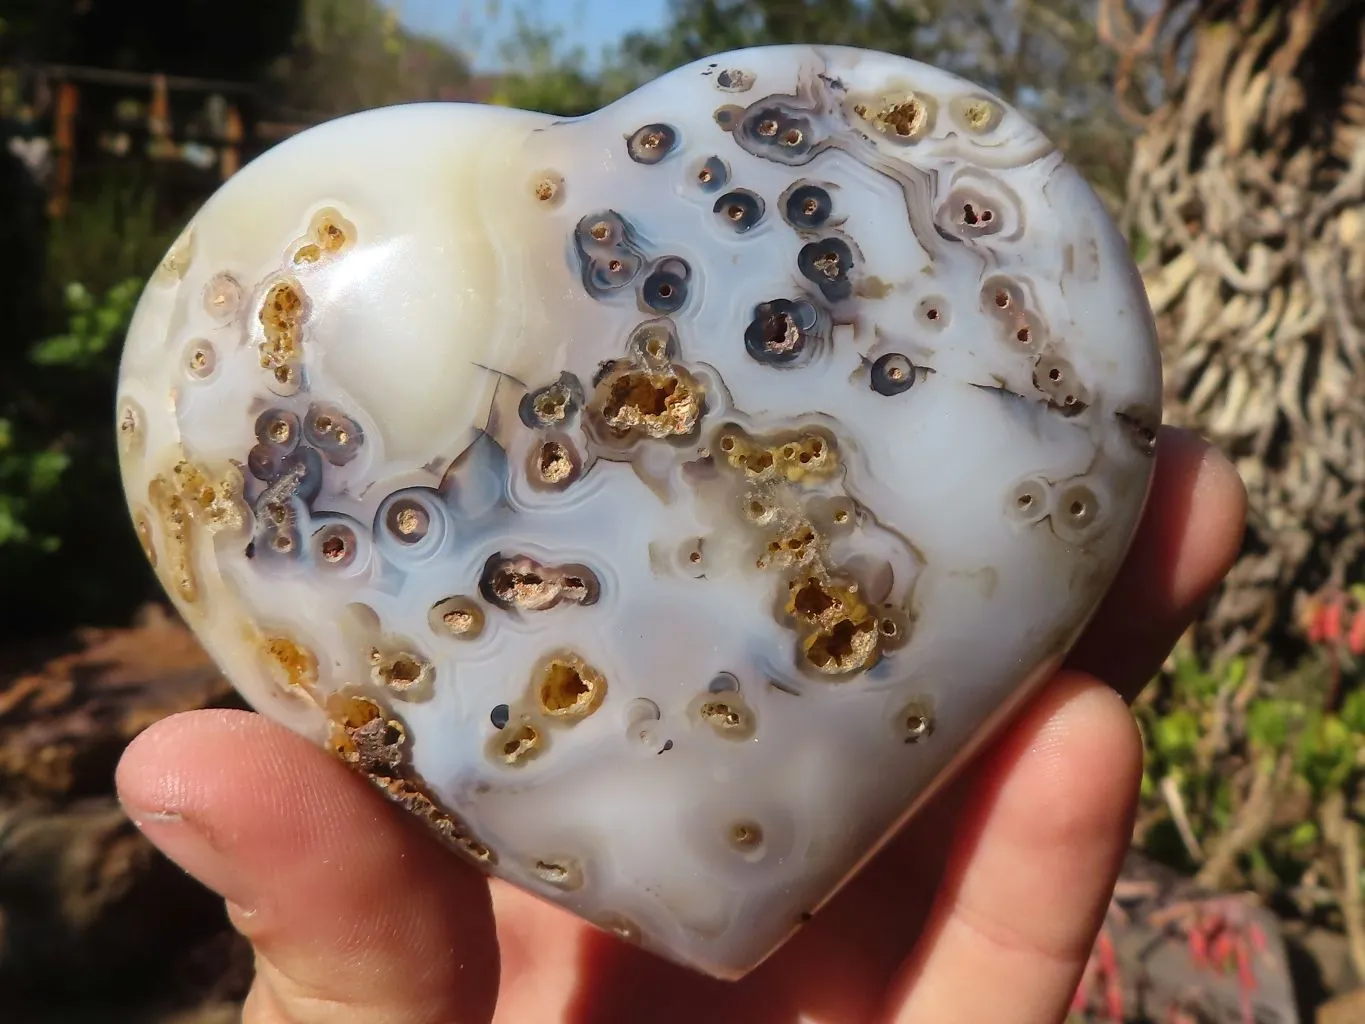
(408, 521)
(1054, 375)
(1024, 501)
(405, 671)
(1077, 509)
(932, 314)
(746, 836)
(1024, 335)
(334, 549)
(523, 743)
(1002, 299)
(569, 688)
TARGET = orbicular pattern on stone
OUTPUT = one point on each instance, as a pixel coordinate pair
(659, 503)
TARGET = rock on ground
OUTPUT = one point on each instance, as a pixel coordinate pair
(95, 925)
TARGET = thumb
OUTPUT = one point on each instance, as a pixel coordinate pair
(355, 913)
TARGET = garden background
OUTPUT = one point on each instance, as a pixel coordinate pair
(1228, 138)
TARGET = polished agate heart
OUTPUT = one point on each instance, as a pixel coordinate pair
(661, 503)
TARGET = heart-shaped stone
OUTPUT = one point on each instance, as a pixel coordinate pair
(661, 503)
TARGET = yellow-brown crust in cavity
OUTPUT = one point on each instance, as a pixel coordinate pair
(567, 688)
(176, 570)
(403, 673)
(282, 315)
(554, 464)
(726, 714)
(904, 116)
(658, 403)
(799, 544)
(547, 188)
(187, 497)
(805, 457)
(840, 633)
(976, 113)
(293, 666)
(517, 744)
(329, 235)
(214, 498)
(369, 741)
(521, 583)
(458, 617)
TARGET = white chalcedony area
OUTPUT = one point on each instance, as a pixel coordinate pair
(663, 502)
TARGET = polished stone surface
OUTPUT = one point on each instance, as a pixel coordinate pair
(660, 503)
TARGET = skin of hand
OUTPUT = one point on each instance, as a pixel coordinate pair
(983, 909)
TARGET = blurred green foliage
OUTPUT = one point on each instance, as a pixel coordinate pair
(35, 461)
(1252, 780)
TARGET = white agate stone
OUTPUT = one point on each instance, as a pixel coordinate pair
(661, 503)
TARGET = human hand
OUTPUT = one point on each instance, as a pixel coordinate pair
(984, 908)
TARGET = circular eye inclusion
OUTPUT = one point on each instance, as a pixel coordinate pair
(809, 206)
(826, 264)
(650, 144)
(779, 331)
(740, 209)
(665, 290)
(892, 374)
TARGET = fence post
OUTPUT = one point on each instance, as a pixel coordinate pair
(64, 141)
(233, 134)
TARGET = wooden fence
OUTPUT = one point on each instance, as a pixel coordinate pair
(68, 117)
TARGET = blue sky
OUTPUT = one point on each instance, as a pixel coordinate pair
(477, 26)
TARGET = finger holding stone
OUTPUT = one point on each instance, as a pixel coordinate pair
(1032, 867)
(1190, 535)
(354, 911)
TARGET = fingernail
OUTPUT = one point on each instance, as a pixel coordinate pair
(193, 848)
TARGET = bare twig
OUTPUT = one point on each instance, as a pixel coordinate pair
(1170, 792)
(1341, 831)
(1253, 823)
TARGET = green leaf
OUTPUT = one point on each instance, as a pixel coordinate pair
(1305, 833)
(1353, 711)
(46, 469)
(1269, 722)
(1176, 736)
